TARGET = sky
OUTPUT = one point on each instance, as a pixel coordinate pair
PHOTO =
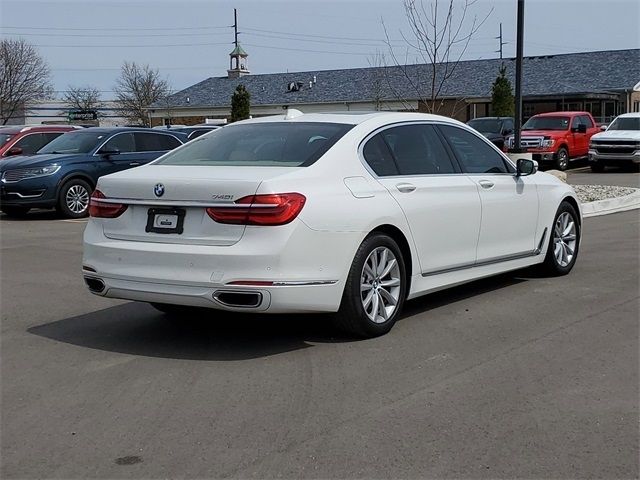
(86, 41)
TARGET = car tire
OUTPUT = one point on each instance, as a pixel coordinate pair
(597, 167)
(73, 198)
(15, 211)
(373, 298)
(562, 159)
(564, 242)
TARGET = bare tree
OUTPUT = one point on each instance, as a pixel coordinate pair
(138, 87)
(440, 38)
(24, 77)
(82, 98)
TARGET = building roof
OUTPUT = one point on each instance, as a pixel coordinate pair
(564, 74)
(239, 51)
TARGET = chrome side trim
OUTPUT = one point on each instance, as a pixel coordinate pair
(484, 263)
(303, 283)
(25, 196)
(540, 245)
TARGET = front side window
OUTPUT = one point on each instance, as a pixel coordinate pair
(122, 142)
(268, 144)
(587, 121)
(74, 142)
(546, 123)
(473, 153)
(577, 120)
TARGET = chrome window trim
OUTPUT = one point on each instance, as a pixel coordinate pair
(95, 152)
(436, 123)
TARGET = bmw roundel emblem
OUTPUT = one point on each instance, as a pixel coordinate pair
(158, 189)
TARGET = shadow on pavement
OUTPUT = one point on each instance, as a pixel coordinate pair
(138, 329)
(33, 216)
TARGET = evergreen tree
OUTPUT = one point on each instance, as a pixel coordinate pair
(502, 102)
(240, 104)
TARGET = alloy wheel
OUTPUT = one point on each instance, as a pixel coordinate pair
(380, 285)
(564, 239)
(563, 160)
(77, 199)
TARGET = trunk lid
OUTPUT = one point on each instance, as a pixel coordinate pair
(186, 191)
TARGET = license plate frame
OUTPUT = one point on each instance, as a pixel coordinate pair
(151, 217)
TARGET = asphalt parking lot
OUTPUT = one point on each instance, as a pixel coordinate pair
(514, 376)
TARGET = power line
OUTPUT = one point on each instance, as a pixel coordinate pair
(136, 46)
(106, 35)
(92, 29)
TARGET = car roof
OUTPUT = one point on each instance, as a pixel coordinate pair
(13, 129)
(108, 130)
(630, 115)
(349, 118)
(558, 114)
(492, 118)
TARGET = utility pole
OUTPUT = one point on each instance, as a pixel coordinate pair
(235, 25)
(518, 97)
(501, 42)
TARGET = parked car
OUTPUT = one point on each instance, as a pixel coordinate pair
(619, 145)
(496, 129)
(557, 137)
(27, 140)
(347, 213)
(62, 175)
(193, 131)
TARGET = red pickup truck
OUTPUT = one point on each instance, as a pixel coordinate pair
(557, 137)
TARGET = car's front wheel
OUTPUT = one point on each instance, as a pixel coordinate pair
(564, 242)
(73, 198)
(375, 289)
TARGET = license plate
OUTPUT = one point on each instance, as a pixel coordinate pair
(165, 220)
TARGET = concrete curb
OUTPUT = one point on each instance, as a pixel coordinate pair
(612, 205)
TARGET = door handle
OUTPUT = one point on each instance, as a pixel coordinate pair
(486, 184)
(405, 187)
(135, 164)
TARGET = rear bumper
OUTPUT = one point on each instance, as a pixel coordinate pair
(308, 268)
(614, 158)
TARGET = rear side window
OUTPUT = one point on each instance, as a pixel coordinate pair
(473, 153)
(272, 144)
(155, 142)
(378, 157)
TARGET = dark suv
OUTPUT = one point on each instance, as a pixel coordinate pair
(62, 175)
(495, 129)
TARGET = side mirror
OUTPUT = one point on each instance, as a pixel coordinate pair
(14, 151)
(526, 167)
(582, 128)
(107, 152)
(603, 128)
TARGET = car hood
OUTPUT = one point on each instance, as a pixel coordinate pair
(23, 161)
(617, 135)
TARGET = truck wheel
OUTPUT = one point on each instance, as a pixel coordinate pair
(73, 198)
(597, 167)
(562, 159)
(15, 211)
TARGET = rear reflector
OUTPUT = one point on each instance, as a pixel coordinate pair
(100, 209)
(270, 209)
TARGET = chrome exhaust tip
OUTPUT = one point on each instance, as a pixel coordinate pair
(238, 299)
(95, 285)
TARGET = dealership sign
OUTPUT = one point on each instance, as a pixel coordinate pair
(75, 115)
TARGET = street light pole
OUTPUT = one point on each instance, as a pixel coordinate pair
(519, 54)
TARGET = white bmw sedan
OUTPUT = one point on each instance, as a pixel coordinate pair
(345, 213)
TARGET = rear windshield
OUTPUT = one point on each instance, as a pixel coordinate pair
(547, 123)
(281, 144)
(625, 123)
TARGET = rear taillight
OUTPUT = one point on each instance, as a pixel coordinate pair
(271, 209)
(100, 209)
